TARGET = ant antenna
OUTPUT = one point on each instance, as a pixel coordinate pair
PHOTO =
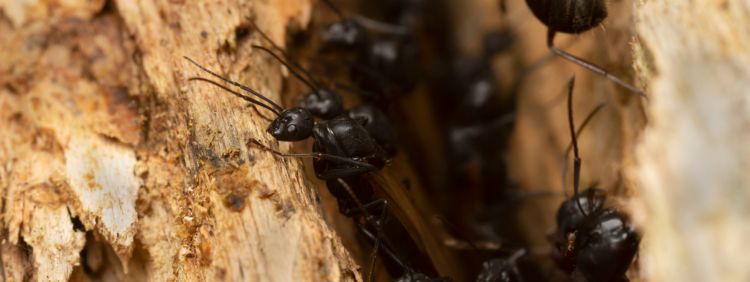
(235, 93)
(314, 155)
(577, 159)
(243, 87)
(583, 125)
(590, 66)
(286, 56)
(283, 62)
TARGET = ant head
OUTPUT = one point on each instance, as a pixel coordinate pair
(569, 16)
(606, 246)
(346, 34)
(293, 124)
(570, 217)
(323, 103)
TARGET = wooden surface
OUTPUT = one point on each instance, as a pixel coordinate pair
(694, 159)
(105, 144)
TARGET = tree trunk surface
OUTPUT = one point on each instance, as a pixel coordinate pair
(113, 165)
(694, 158)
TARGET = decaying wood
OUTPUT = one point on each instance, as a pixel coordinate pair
(694, 159)
(105, 144)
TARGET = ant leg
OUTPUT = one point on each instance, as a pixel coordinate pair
(503, 7)
(369, 206)
(364, 166)
(594, 68)
(378, 238)
(577, 157)
(361, 208)
(386, 249)
(343, 172)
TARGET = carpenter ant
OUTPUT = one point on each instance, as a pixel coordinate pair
(327, 104)
(388, 59)
(592, 243)
(343, 151)
(342, 146)
(573, 16)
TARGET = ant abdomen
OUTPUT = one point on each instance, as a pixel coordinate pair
(569, 16)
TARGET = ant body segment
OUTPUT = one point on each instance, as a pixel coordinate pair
(574, 17)
(592, 242)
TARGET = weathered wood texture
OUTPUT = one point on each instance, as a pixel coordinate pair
(694, 159)
(105, 144)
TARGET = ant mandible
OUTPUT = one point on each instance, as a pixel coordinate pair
(574, 17)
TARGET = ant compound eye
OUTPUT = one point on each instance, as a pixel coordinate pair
(292, 128)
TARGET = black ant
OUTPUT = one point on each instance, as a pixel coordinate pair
(342, 147)
(592, 243)
(343, 151)
(388, 59)
(327, 104)
(573, 16)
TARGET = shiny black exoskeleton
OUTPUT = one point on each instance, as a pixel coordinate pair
(381, 62)
(377, 124)
(574, 16)
(569, 16)
(592, 242)
(501, 269)
(598, 246)
(344, 136)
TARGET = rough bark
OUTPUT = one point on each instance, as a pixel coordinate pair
(694, 158)
(107, 148)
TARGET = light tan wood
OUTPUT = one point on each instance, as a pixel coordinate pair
(694, 158)
(99, 123)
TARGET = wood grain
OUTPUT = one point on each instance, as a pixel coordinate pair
(106, 145)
